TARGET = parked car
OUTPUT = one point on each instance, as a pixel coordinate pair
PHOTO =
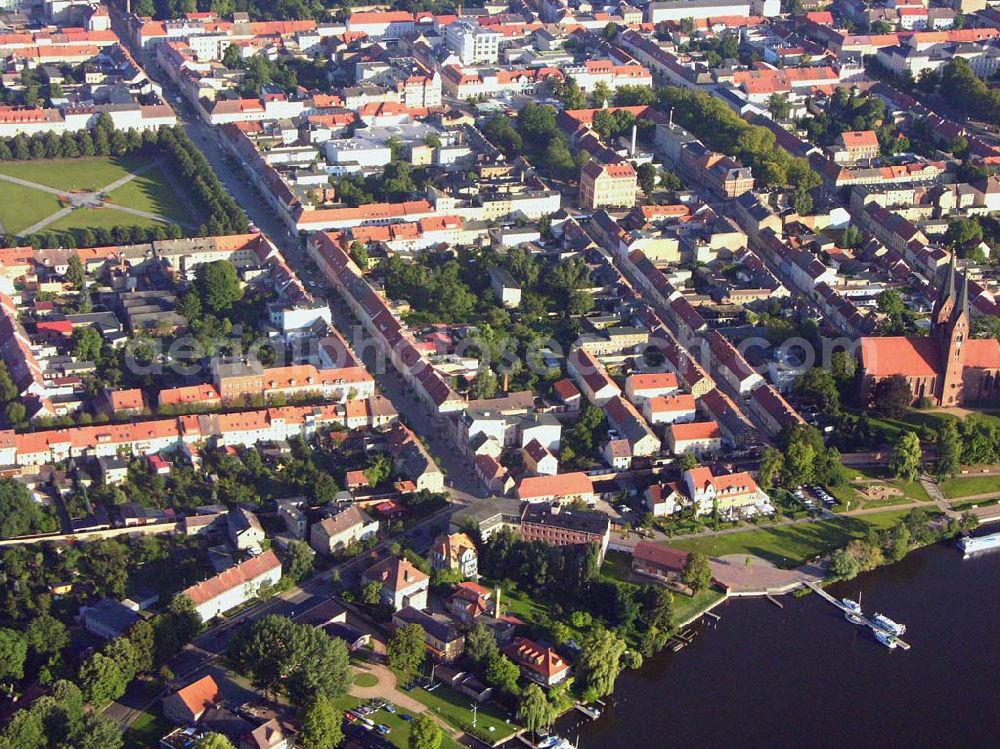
(383, 729)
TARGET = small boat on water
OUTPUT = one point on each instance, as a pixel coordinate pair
(591, 712)
(852, 607)
(554, 742)
(887, 624)
(889, 640)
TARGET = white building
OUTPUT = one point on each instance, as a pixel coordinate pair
(235, 586)
(474, 44)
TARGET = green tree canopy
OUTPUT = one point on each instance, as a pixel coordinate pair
(405, 649)
(321, 725)
(907, 457)
(298, 659)
(425, 733)
(535, 710)
(20, 515)
(697, 572)
(219, 285)
(600, 662)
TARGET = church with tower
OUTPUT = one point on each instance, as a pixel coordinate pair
(947, 366)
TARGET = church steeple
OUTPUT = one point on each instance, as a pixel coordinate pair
(945, 303)
(950, 331)
(962, 306)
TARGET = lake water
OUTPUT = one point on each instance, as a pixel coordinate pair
(802, 676)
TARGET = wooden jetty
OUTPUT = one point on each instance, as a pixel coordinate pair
(862, 619)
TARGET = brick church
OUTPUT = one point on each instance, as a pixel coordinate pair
(947, 366)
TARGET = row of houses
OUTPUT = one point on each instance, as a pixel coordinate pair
(381, 323)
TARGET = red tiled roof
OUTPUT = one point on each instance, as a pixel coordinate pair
(697, 430)
(233, 577)
(200, 695)
(892, 355)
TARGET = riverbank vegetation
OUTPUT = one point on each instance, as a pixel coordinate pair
(886, 545)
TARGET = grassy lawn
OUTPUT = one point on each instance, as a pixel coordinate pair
(400, 729)
(912, 418)
(21, 207)
(791, 545)
(365, 680)
(151, 192)
(617, 566)
(686, 608)
(967, 486)
(72, 174)
(454, 708)
(146, 732)
(95, 218)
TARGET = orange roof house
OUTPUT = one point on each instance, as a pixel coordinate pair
(563, 487)
(189, 703)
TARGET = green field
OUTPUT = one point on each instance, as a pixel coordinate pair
(913, 418)
(146, 732)
(791, 545)
(97, 218)
(686, 608)
(454, 708)
(365, 680)
(151, 191)
(400, 729)
(87, 174)
(21, 207)
(969, 486)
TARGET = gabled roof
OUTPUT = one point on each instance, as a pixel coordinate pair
(560, 485)
(233, 577)
(395, 573)
(199, 695)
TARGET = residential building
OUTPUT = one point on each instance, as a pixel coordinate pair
(731, 495)
(539, 460)
(565, 488)
(659, 562)
(563, 527)
(455, 551)
(628, 422)
(697, 438)
(643, 386)
(337, 532)
(235, 586)
(189, 703)
(507, 290)
(591, 377)
(245, 530)
(474, 44)
(611, 185)
(402, 584)
(442, 636)
(672, 409)
(540, 664)
(108, 618)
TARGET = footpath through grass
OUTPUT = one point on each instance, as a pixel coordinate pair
(88, 174)
(791, 545)
(21, 207)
